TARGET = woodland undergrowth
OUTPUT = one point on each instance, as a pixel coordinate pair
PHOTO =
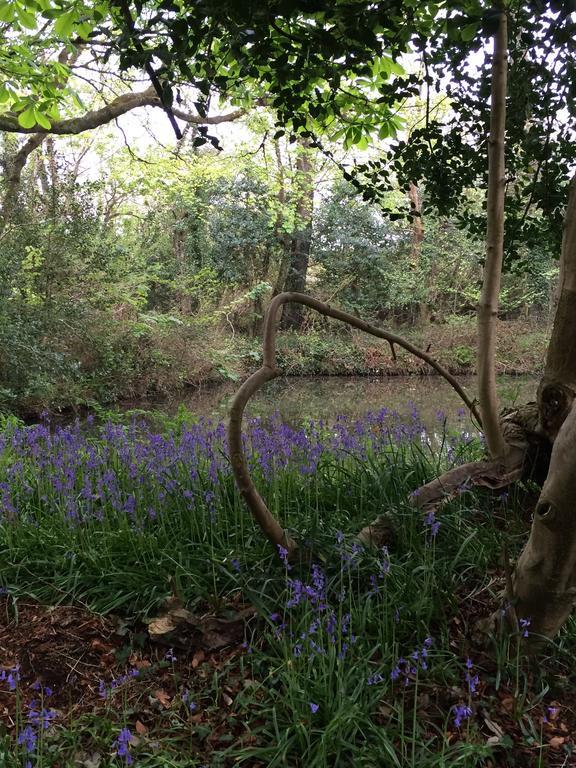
(358, 657)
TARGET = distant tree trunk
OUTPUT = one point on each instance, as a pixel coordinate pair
(178, 241)
(545, 577)
(279, 226)
(416, 240)
(488, 308)
(301, 238)
(13, 168)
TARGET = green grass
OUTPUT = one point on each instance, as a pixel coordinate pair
(313, 685)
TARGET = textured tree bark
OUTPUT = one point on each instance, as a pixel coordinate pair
(182, 267)
(488, 308)
(545, 576)
(558, 386)
(300, 241)
(544, 583)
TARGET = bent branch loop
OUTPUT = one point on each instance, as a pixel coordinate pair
(265, 519)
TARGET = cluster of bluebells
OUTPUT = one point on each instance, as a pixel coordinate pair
(382, 570)
(328, 627)
(461, 712)
(11, 676)
(551, 714)
(472, 679)
(38, 718)
(406, 669)
(431, 524)
(135, 472)
(106, 689)
(122, 745)
(191, 705)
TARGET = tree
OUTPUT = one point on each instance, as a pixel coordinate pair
(322, 65)
(546, 576)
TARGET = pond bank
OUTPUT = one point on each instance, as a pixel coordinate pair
(189, 360)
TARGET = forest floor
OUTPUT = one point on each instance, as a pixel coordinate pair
(145, 621)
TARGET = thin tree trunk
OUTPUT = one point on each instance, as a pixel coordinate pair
(14, 168)
(300, 241)
(16, 165)
(545, 576)
(488, 309)
(178, 241)
(279, 225)
(417, 239)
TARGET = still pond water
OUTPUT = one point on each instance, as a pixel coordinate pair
(299, 399)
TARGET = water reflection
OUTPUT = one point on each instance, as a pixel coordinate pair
(299, 399)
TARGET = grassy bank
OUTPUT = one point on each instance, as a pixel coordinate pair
(108, 360)
(365, 658)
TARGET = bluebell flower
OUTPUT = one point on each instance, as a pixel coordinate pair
(28, 738)
(461, 712)
(283, 553)
(122, 744)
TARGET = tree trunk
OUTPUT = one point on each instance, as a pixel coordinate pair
(178, 241)
(488, 309)
(416, 240)
(545, 577)
(280, 233)
(13, 175)
(301, 238)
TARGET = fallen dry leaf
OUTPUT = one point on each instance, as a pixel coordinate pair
(198, 658)
(556, 741)
(161, 626)
(140, 728)
(494, 727)
(100, 647)
(163, 697)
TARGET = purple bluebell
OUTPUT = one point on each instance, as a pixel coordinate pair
(28, 737)
(122, 744)
(461, 712)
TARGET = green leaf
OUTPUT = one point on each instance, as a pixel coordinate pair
(65, 24)
(7, 12)
(384, 131)
(27, 119)
(42, 120)
(25, 18)
(469, 32)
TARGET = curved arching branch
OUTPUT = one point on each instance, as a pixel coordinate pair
(265, 519)
(122, 104)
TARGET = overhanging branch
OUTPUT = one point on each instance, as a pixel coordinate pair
(118, 107)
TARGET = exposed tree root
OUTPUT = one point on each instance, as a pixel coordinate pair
(528, 456)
